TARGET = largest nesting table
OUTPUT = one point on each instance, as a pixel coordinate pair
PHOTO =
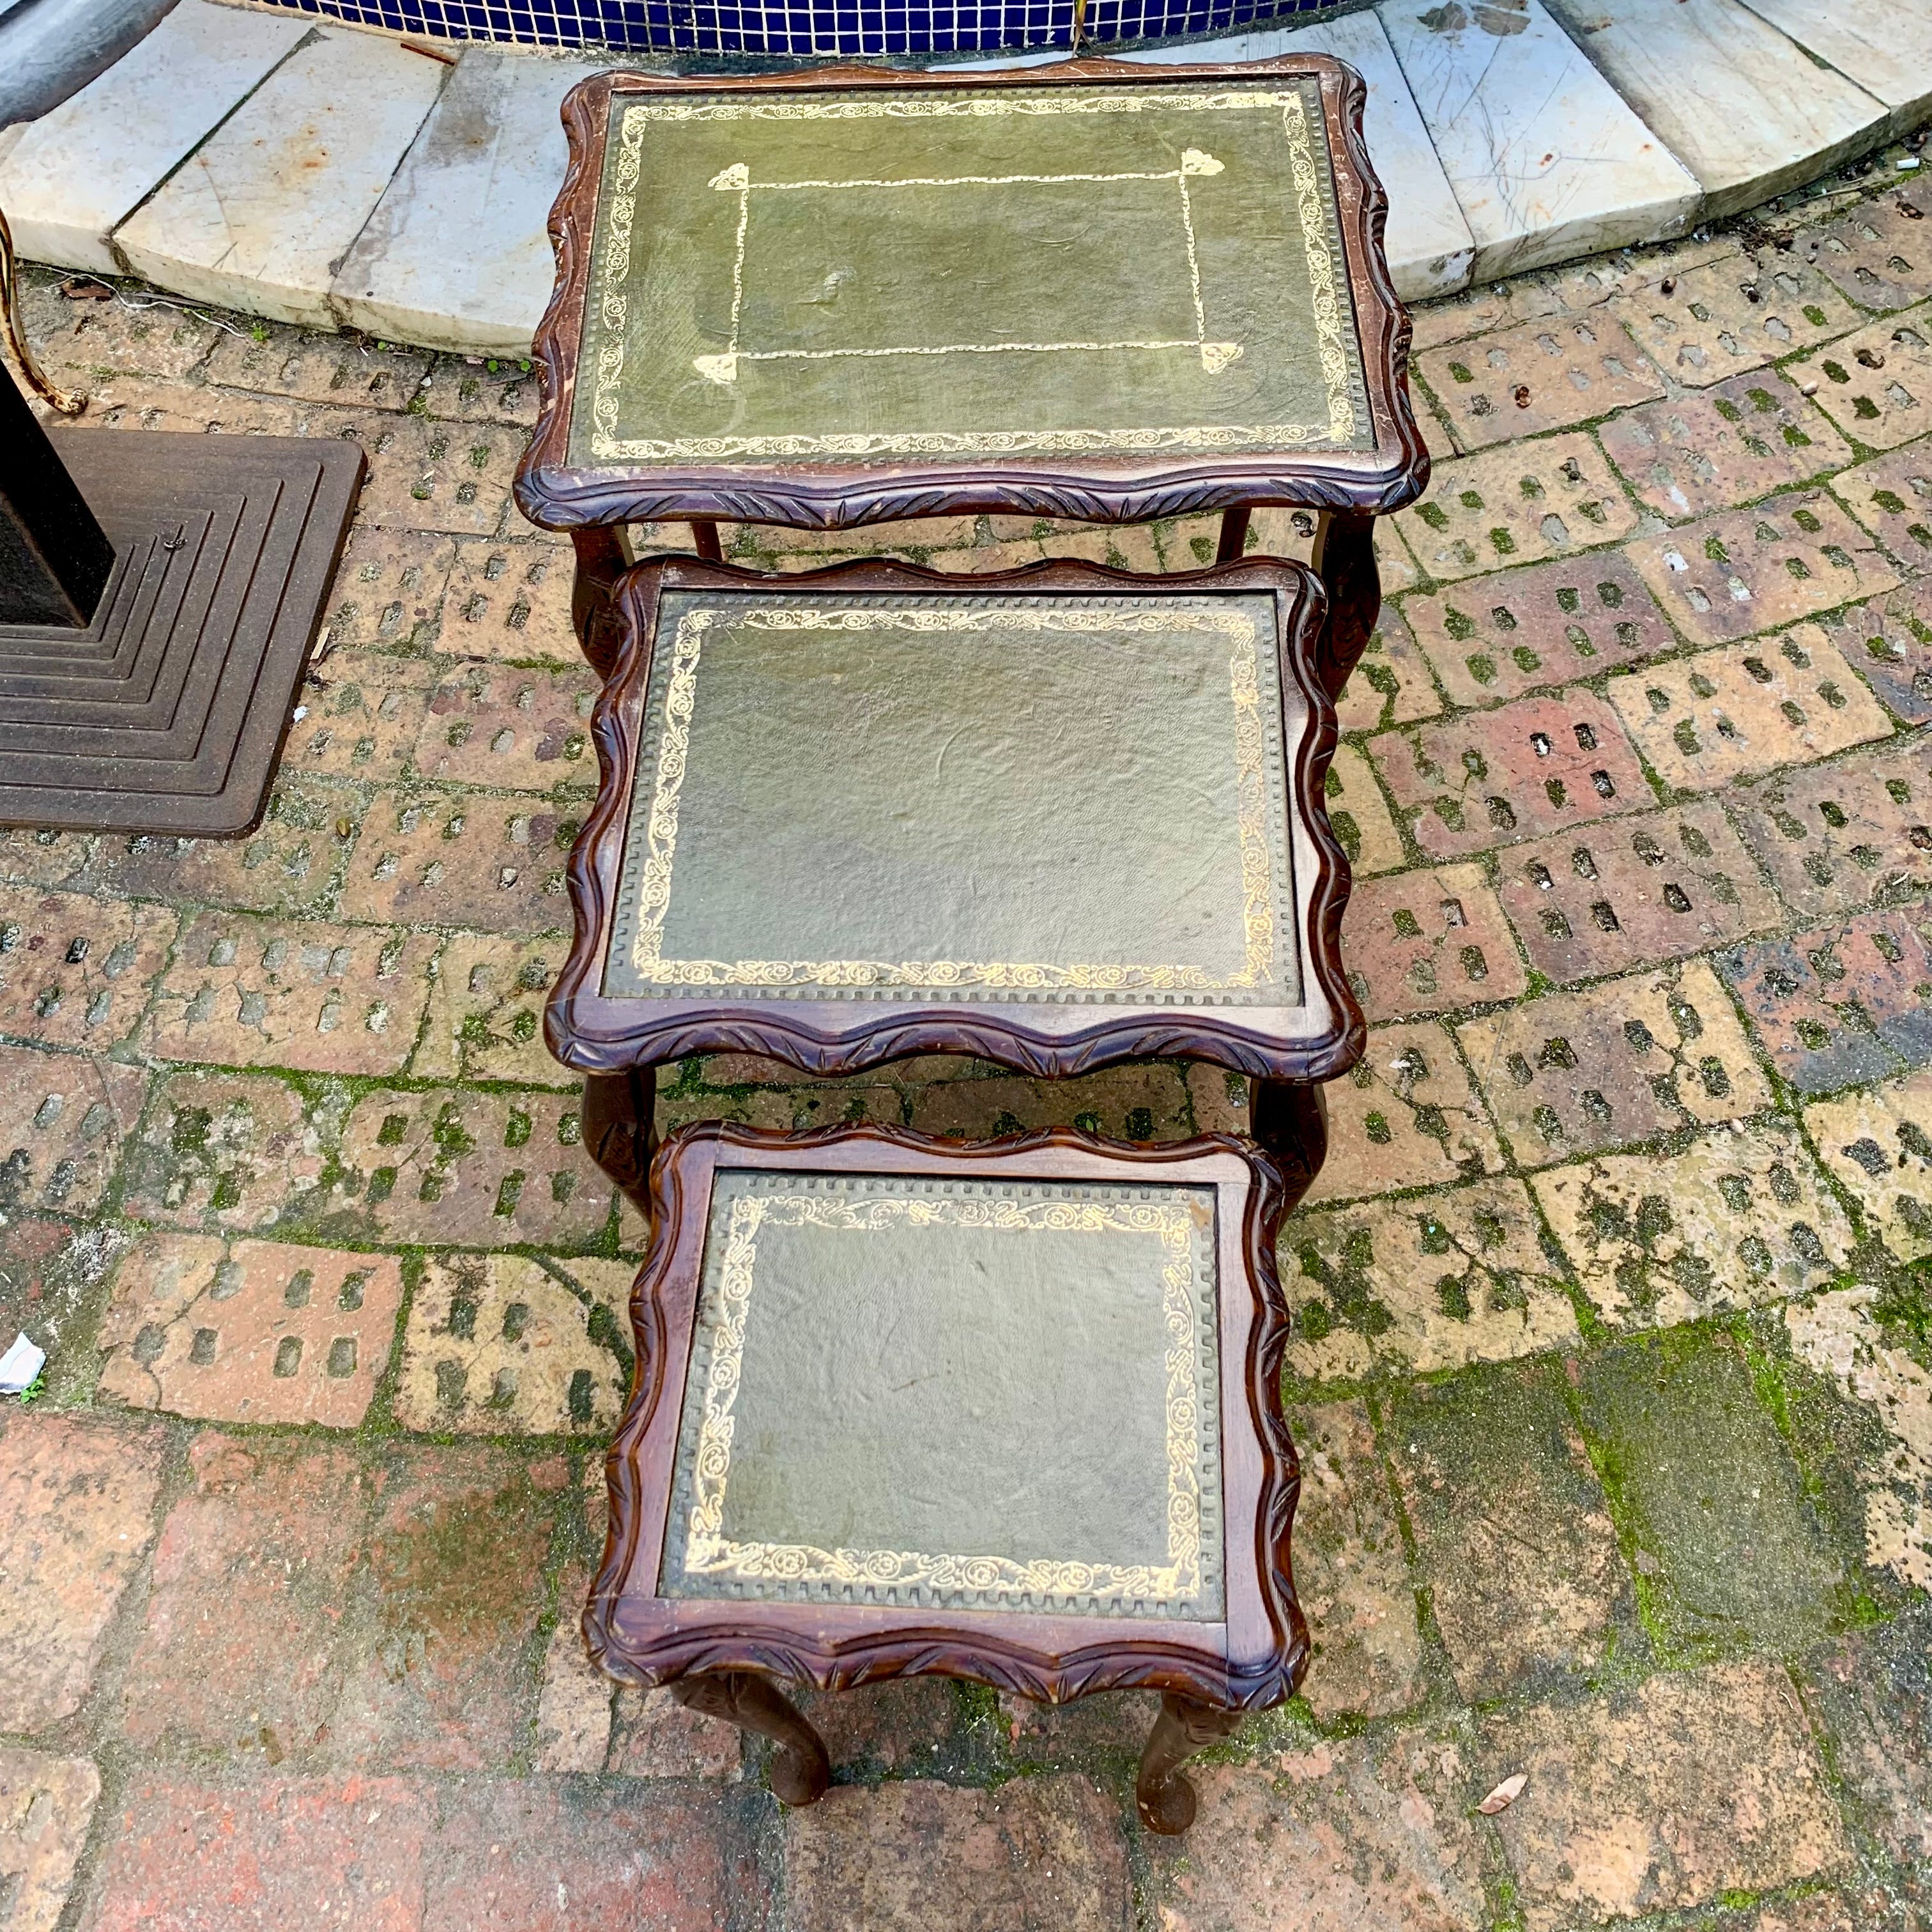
(1097, 291)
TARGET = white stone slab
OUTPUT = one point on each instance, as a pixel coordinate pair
(1748, 112)
(457, 254)
(1430, 249)
(84, 168)
(261, 215)
(1886, 45)
(1546, 160)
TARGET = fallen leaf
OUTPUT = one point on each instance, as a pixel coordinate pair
(1504, 1795)
(85, 288)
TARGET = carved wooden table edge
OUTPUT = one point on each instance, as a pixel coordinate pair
(1348, 490)
(619, 1056)
(721, 1657)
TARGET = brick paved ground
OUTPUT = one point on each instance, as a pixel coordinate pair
(1613, 1335)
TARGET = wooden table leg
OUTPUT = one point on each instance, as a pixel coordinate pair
(800, 1769)
(1185, 1726)
(1288, 1119)
(704, 535)
(603, 555)
(1233, 534)
(1344, 560)
(619, 1129)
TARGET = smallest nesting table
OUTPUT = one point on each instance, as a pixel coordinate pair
(1009, 1413)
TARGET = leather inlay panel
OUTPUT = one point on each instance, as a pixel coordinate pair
(860, 276)
(889, 797)
(887, 1371)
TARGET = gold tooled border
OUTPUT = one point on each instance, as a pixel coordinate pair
(612, 304)
(709, 1553)
(1259, 924)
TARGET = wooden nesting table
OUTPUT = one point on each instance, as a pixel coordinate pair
(1098, 291)
(1011, 1414)
(1056, 817)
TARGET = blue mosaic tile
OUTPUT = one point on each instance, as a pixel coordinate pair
(826, 29)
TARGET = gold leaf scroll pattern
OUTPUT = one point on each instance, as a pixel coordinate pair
(1258, 910)
(709, 1552)
(608, 445)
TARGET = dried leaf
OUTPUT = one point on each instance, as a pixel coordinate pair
(1504, 1795)
(85, 288)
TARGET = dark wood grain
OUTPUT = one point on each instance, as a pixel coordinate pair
(598, 1034)
(1253, 1659)
(556, 495)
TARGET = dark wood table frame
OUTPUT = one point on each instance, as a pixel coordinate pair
(618, 1043)
(1349, 489)
(719, 1655)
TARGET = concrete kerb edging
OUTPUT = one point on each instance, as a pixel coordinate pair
(336, 177)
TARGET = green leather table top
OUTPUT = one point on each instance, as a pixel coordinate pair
(887, 1374)
(886, 797)
(872, 275)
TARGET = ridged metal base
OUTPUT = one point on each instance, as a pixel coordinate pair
(168, 713)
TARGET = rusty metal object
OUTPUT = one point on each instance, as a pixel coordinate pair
(31, 373)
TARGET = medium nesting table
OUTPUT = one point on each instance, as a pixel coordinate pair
(1055, 817)
(1098, 291)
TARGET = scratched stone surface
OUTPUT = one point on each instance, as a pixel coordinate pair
(1607, 1353)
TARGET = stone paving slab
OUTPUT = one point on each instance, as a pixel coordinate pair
(1353, 1582)
(1736, 101)
(1491, 1465)
(80, 1497)
(77, 174)
(1547, 161)
(1888, 53)
(493, 141)
(1730, 1747)
(263, 210)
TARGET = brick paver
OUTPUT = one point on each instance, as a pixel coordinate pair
(1608, 1358)
(78, 1496)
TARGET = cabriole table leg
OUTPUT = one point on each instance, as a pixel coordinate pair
(603, 555)
(1233, 534)
(1344, 558)
(1185, 1726)
(800, 1770)
(619, 1131)
(1288, 1120)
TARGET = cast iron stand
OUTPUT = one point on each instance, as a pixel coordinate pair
(159, 593)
